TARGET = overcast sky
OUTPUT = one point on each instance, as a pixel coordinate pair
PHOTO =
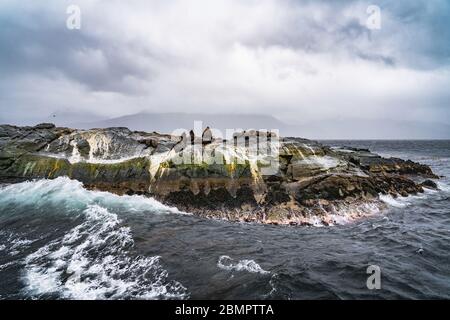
(297, 60)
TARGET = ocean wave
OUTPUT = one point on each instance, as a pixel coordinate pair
(226, 263)
(393, 202)
(343, 214)
(94, 260)
(18, 245)
(402, 202)
(6, 265)
(13, 244)
(339, 213)
(72, 196)
(443, 186)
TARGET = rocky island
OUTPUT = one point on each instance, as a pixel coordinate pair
(312, 183)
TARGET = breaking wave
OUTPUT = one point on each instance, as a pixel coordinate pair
(95, 258)
(72, 196)
(93, 261)
(226, 263)
(402, 202)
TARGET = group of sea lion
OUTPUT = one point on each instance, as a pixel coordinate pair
(207, 136)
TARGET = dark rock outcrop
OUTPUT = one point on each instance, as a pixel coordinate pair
(430, 184)
(219, 179)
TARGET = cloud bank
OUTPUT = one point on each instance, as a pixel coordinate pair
(300, 61)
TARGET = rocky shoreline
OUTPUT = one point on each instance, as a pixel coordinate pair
(313, 183)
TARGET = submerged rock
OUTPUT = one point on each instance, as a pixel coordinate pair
(429, 184)
(257, 176)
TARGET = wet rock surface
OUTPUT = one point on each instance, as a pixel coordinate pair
(429, 184)
(312, 181)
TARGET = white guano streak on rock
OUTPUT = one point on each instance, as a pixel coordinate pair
(76, 156)
(98, 143)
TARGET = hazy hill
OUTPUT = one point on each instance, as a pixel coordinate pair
(326, 129)
(168, 122)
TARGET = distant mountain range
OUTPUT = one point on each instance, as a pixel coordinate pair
(326, 129)
(168, 122)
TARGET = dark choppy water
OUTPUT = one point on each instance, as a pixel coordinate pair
(58, 240)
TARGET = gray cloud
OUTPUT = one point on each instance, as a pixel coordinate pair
(298, 60)
(48, 49)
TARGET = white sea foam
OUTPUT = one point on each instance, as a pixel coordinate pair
(71, 195)
(6, 265)
(401, 202)
(393, 202)
(13, 243)
(340, 219)
(226, 263)
(18, 244)
(316, 221)
(443, 186)
(93, 261)
(340, 214)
